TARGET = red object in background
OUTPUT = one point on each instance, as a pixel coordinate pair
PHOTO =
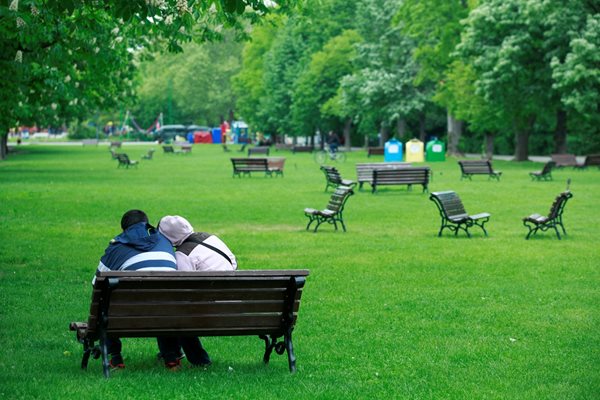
(202, 137)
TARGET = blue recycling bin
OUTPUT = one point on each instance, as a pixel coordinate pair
(392, 151)
(216, 135)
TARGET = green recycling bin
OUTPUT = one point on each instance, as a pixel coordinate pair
(435, 150)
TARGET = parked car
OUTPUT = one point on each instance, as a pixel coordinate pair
(168, 132)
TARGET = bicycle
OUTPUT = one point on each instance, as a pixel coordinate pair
(327, 155)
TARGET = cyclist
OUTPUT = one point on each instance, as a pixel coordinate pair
(333, 141)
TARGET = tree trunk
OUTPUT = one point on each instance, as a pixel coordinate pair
(422, 133)
(401, 129)
(3, 144)
(489, 145)
(347, 126)
(560, 133)
(455, 129)
(522, 129)
(383, 137)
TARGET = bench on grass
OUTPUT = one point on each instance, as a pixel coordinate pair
(92, 142)
(592, 159)
(302, 149)
(282, 146)
(537, 222)
(148, 155)
(469, 168)
(545, 174)
(186, 148)
(175, 303)
(258, 150)
(245, 166)
(375, 151)
(116, 144)
(334, 179)
(401, 176)
(453, 213)
(564, 160)
(364, 171)
(168, 149)
(124, 161)
(332, 214)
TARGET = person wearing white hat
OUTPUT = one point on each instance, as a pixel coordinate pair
(196, 251)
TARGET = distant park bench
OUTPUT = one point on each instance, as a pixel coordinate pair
(186, 148)
(264, 303)
(545, 173)
(89, 142)
(258, 150)
(401, 176)
(364, 171)
(124, 161)
(168, 149)
(375, 151)
(116, 144)
(245, 166)
(469, 168)
(334, 179)
(302, 149)
(148, 155)
(537, 222)
(453, 213)
(333, 213)
(283, 146)
(592, 159)
(564, 160)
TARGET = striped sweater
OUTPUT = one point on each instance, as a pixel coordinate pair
(140, 247)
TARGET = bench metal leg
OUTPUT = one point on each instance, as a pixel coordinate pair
(290, 351)
(104, 349)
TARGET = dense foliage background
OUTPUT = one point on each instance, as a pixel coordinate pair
(490, 76)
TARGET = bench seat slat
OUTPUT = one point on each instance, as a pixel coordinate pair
(198, 308)
(174, 323)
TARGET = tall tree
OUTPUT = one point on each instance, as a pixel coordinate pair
(436, 28)
(73, 57)
(319, 83)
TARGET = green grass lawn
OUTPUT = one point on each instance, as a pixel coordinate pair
(389, 311)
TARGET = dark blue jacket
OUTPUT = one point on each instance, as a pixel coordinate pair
(139, 247)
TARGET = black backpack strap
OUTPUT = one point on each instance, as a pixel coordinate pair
(198, 238)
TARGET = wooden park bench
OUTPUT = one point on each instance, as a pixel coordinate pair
(168, 149)
(186, 148)
(124, 161)
(116, 144)
(401, 176)
(375, 151)
(139, 304)
(332, 214)
(245, 166)
(537, 222)
(148, 155)
(364, 171)
(89, 142)
(469, 168)
(453, 213)
(302, 149)
(283, 146)
(258, 150)
(545, 174)
(334, 179)
(590, 160)
(564, 160)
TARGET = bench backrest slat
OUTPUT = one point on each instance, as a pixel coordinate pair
(450, 204)
(364, 171)
(204, 304)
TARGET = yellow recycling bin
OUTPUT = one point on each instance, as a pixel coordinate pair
(414, 151)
